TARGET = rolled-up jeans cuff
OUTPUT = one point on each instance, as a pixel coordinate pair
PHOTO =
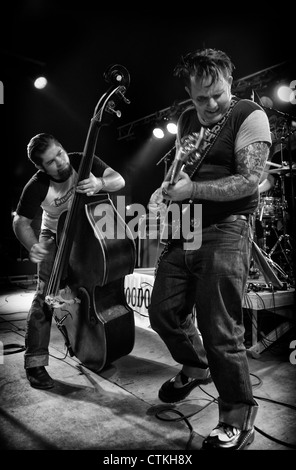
(196, 372)
(36, 361)
(239, 415)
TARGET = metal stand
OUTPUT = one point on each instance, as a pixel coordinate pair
(283, 249)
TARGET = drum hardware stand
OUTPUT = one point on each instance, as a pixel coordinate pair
(283, 246)
(268, 267)
(274, 265)
(286, 238)
(290, 131)
(283, 242)
(269, 263)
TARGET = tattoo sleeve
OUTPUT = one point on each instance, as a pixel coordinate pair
(249, 164)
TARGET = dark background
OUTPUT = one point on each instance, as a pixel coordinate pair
(73, 44)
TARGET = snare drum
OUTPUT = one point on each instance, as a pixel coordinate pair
(270, 207)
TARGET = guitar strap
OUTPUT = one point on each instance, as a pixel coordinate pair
(211, 135)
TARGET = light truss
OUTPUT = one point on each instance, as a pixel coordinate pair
(255, 81)
(127, 131)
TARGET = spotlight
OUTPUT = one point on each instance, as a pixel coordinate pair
(172, 127)
(284, 93)
(158, 133)
(40, 83)
(293, 93)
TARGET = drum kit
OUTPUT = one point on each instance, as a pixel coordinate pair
(272, 223)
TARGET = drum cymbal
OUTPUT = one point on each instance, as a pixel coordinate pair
(283, 170)
(277, 165)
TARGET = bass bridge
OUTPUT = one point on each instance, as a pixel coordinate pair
(58, 301)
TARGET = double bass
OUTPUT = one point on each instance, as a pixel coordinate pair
(95, 251)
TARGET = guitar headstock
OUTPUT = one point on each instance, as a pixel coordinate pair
(190, 144)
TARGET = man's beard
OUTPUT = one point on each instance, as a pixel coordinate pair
(65, 173)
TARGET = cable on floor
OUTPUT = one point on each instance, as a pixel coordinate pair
(13, 348)
(182, 418)
(215, 400)
(274, 439)
(185, 418)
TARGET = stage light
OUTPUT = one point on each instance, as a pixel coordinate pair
(285, 93)
(158, 133)
(172, 127)
(40, 83)
(293, 93)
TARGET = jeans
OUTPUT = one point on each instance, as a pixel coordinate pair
(40, 315)
(211, 278)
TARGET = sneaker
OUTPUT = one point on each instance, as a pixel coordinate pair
(179, 387)
(228, 437)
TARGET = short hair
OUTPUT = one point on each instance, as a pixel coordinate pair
(38, 145)
(204, 63)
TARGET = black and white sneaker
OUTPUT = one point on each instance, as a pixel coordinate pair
(228, 437)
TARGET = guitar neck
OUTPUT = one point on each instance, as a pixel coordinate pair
(187, 148)
(174, 171)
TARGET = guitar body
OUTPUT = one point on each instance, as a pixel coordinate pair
(99, 324)
(172, 223)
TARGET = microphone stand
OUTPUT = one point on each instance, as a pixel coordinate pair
(166, 158)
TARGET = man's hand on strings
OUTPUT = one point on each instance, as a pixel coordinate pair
(90, 186)
(178, 191)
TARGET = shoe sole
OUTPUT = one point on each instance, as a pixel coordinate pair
(46, 387)
(249, 438)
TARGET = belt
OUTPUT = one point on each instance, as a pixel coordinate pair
(230, 218)
(233, 218)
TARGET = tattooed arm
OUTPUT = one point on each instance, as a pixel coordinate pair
(250, 162)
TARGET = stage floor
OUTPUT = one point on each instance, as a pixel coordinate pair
(119, 409)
